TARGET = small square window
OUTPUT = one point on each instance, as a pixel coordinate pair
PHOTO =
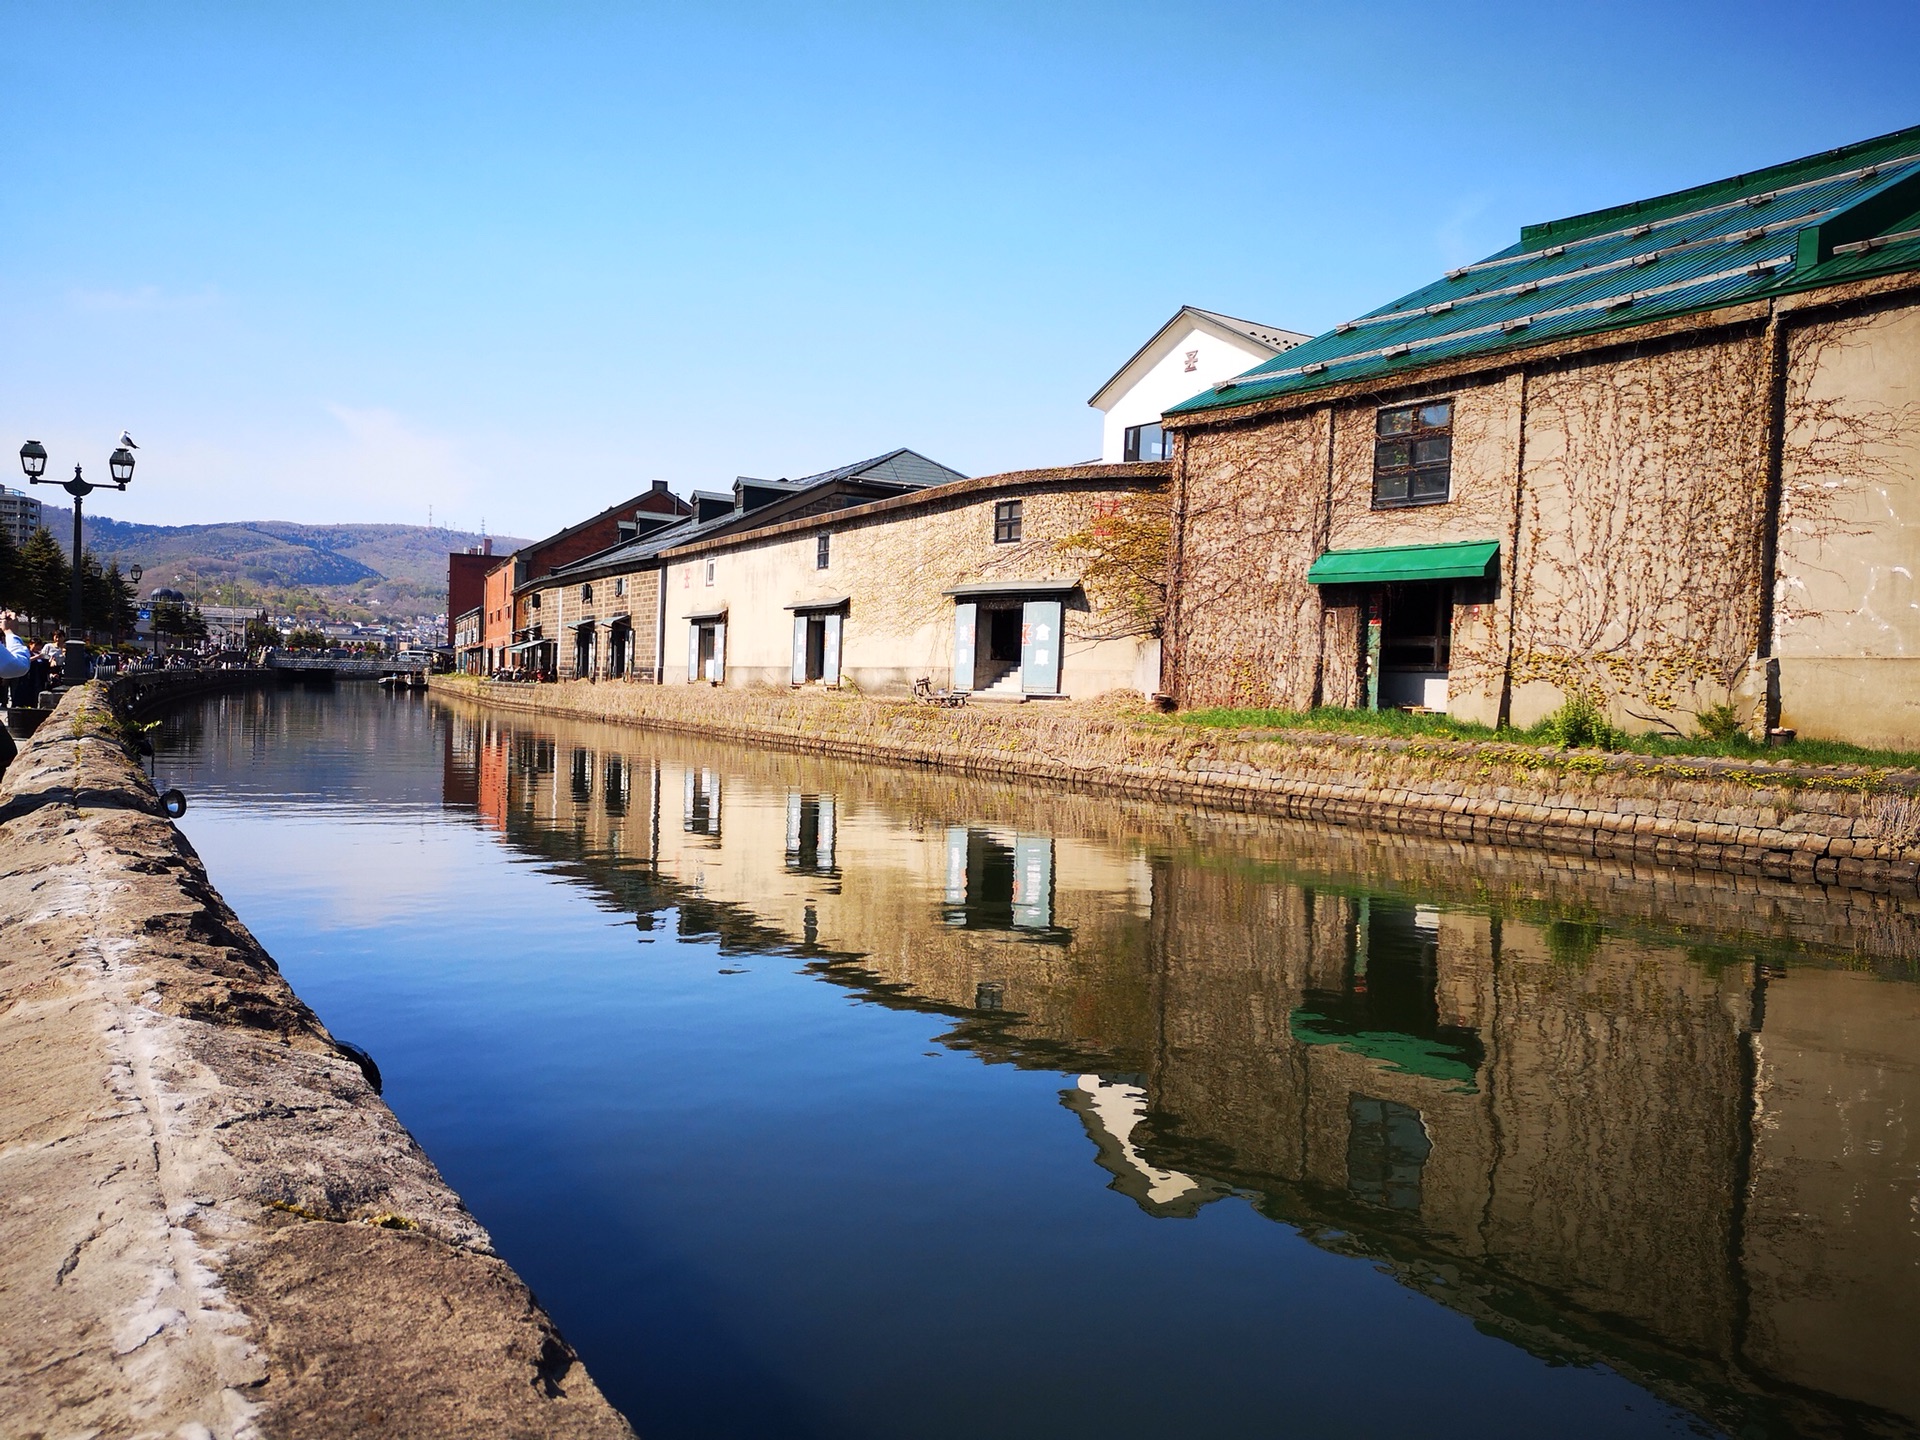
(1147, 442)
(1413, 455)
(1006, 522)
(822, 551)
(710, 566)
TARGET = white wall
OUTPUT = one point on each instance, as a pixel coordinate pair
(1161, 379)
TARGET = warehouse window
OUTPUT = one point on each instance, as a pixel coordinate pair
(1006, 522)
(1148, 442)
(1413, 455)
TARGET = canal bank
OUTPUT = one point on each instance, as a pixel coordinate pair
(211, 1223)
(1852, 827)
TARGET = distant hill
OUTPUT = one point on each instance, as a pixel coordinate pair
(397, 569)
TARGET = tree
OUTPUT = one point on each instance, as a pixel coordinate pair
(261, 631)
(1124, 549)
(169, 618)
(307, 639)
(106, 599)
(45, 577)
(122, 611)
(9, 572)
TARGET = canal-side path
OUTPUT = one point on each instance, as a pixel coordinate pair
(210, 1223)
(1852, 827)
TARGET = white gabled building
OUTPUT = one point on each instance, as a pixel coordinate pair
(1190, 352)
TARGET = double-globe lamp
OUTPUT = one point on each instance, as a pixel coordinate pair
(33, 460)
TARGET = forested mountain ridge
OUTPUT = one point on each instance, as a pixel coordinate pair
(384, 568)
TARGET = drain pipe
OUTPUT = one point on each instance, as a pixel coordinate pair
(1774, 349)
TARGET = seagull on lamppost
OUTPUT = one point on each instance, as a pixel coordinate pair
(127, 440)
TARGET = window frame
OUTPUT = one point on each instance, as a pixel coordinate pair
(1131, 437)
(823, 550)
(1009, 522)
(712, 566)
(1413, 471)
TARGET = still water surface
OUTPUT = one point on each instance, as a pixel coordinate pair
(824, 1100)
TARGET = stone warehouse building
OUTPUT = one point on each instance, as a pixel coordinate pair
(975, 585)
(600, 617)
(1668, 452)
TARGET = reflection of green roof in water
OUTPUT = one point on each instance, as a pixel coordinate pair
(1409, 1054)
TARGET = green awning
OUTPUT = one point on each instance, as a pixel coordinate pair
(1460, 560)
(1408, 1054)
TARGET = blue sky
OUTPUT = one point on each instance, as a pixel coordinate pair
(345, 262)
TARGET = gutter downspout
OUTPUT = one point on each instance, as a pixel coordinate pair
(1321, 533)
(1505, 717)
(660, 630)
(1767, 663)
(1171, 646)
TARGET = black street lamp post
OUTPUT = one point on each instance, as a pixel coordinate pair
(33, 460)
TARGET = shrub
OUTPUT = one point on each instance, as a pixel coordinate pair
(1719, 722)
(1581, 723)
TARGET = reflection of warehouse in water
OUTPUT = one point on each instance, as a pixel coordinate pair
(1585, 1137)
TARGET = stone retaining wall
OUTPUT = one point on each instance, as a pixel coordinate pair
(210, 1225)
(1826, 825)
(142, 692)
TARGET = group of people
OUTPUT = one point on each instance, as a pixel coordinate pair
(27, 667)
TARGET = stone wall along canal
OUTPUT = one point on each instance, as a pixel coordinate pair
(818, 1098)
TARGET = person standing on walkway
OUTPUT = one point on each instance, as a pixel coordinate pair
(14, 655)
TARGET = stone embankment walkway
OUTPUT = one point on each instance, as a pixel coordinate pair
(210, 1225)
(1826, 825)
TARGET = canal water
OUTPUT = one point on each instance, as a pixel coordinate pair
(818, 1099)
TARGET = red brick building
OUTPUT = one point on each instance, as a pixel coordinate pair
(466, 577)
(530, 562)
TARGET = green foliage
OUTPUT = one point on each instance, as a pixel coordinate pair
(1329, 720)
(1332, 721)
(45, 579)
(9, 573)
(261, 631)
(1719, 722)
(106, 599)
(1573, 942)
(305, 639)
(1581, 724)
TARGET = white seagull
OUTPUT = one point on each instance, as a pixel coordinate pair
(127, 440)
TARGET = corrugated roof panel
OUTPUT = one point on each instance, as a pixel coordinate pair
(1702, 249)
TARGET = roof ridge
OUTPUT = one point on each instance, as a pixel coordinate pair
(1572, 227)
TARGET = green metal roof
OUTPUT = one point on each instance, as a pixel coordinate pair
(1459, 560)
(1843, 215)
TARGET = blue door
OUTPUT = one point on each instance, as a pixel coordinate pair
(1040, 647)
(965, 613)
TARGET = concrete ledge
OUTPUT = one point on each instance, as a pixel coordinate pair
(1849, 827)
(209, 1223)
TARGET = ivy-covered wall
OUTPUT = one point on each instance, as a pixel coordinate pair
(1628, 488)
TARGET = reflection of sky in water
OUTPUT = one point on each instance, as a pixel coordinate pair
(763, 1204)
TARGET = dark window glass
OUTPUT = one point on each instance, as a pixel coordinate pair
(586, 592)
(822, 549)
(1413, 456)
(1147, 442)
(1006, 522)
